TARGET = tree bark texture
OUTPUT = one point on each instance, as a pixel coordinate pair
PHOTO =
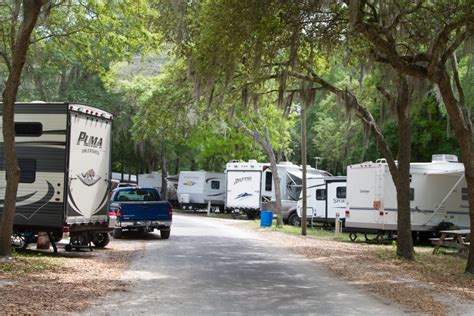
(164, 174)
(31, 11)
(402, 180)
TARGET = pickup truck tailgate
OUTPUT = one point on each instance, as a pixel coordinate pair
(145, 211)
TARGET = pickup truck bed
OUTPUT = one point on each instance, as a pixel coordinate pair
(140, 209)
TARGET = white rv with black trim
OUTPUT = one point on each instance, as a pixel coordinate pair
(64, 155)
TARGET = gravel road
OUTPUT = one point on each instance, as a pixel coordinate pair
(210, 267)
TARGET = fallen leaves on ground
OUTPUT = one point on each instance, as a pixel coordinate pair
(433, 284)
(70, 285)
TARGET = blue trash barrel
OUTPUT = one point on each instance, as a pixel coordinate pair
(266, 218)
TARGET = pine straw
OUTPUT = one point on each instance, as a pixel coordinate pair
(69, 283)
(433, 284)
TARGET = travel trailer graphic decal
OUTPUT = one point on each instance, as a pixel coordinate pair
(242, 179)
(243, 196)
(44, 200)
(89, 141)
(88, 177)
(189, 183)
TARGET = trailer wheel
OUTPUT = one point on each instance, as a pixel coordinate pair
(117, 233)
(353, 236)
(68, 247)
(165, 234)
(294, 220)
(101, 240)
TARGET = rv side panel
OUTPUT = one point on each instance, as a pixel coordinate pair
(41, 152)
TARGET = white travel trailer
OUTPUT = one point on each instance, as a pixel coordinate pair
(64, 155)
(249, 184)
(197, 188)
(152, 180)
(438, 194)
(326, 196)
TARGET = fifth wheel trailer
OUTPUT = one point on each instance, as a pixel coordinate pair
(64, 155)
(249, 184)
(438, 194)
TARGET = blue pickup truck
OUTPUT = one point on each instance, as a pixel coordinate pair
(140, 209)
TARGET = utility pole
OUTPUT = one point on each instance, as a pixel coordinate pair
(304, 163)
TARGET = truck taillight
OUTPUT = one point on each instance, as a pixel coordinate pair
(66, 229)
(170, 211)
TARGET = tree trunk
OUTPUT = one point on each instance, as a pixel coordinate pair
(164, 174)
(402, 179)
(176, 168)
(276, 183)
(463, 131)
(31, 10)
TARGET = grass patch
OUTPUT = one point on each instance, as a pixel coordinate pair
(30, 263)
(316, 231)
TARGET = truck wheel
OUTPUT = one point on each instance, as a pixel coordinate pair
(101, 240)
(165, 234)
(294, 220)
(117, 233)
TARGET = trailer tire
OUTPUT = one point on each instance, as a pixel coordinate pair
(101, 240)
(117, 233)
(294, 220)
(68, 247)
(165, 233)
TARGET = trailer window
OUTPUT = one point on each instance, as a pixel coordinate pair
(412, 194)
(134, 195)
(31, 129)
(268, 181)
(464, 194)
(321, 194)
(341, 192)
(27, 170)
(215, 185)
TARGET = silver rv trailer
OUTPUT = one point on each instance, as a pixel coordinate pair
(64, 155)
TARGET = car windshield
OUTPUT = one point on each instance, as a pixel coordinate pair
(137, 195)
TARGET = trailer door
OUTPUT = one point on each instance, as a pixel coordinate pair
(89, 166)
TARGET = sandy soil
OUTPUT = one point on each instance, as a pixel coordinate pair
(80, 279)
(433, 285)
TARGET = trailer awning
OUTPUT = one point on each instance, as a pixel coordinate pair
(454, 173)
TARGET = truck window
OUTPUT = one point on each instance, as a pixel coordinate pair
(268, 181)
(341, 192)
(137, 195)
(215, 185)
(321, 194)
(31, 129)
(464, 194)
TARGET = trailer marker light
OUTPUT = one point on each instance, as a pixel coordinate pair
(347, 213)
(381, 213)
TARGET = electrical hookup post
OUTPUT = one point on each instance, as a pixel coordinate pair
(338, 225)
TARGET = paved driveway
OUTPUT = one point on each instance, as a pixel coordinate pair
(208, 267)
